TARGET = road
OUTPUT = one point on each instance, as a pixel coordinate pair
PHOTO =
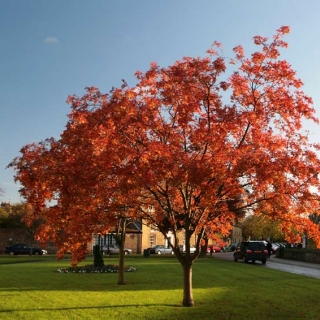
(297, 267)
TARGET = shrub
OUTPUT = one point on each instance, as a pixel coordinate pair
(98, 259)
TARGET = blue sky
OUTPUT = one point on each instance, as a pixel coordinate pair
(52, 49)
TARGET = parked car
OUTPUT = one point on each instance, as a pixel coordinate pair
(217, 248)
(251, 251)
(160, 250)
(231, 247)
(114, 249)
(274, 248)
(284, 245)
(21, 248)
(183, 249)
(152, 250)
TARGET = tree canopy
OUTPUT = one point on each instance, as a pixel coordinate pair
(187, 149)
(262, 227)
(11, 215)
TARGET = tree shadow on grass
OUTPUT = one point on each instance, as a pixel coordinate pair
(219, 288)
(152, 274)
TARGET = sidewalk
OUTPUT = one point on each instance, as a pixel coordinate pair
(295, 262)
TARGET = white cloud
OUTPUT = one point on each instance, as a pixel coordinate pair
(51, 40)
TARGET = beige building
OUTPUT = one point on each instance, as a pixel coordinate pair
(152, 237)
(140, 237)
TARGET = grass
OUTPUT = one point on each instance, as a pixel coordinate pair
(30, 288)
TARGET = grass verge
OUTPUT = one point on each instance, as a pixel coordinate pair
(31, 288)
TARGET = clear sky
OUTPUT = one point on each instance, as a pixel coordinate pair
(52, 49)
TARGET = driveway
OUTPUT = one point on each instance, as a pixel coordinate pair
(298, 267)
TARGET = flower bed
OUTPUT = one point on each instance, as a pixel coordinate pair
(110, 268)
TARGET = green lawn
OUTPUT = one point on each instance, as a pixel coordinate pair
(31, 288)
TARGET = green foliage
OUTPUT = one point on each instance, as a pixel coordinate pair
(3, 213)
(311, 244)
(11, 217)
(261, 227)
(98, 259)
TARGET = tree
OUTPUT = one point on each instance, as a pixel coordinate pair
(120, 237)
(12, 216)
(187, 149)
(3, 215)
(261, 227)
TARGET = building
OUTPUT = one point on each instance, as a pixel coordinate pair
(140, 237)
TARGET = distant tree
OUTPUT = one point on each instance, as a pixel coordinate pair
(12, 215)
(262, 227)
(184, 141)
(3, 214)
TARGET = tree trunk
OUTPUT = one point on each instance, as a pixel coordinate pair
(187, 286)
(203, 253)
(121, 267)
(121, 251)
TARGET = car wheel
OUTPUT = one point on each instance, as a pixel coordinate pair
(235, 259)
(253, 261)
(36, 253)
(264, 261)
(246, 260)
(126, 252)
(11, 253)
(159, 252)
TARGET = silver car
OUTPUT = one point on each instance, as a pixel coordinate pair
(114, 249)
(183, 249)
(162, 250)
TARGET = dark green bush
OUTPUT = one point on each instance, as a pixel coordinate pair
(97, 255)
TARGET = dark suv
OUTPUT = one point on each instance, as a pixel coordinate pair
(251, 251)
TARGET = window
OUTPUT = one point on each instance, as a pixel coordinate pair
(152, 240)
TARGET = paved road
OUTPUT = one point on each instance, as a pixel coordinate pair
(298, 267)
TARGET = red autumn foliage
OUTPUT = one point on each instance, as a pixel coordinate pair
(195, 146)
